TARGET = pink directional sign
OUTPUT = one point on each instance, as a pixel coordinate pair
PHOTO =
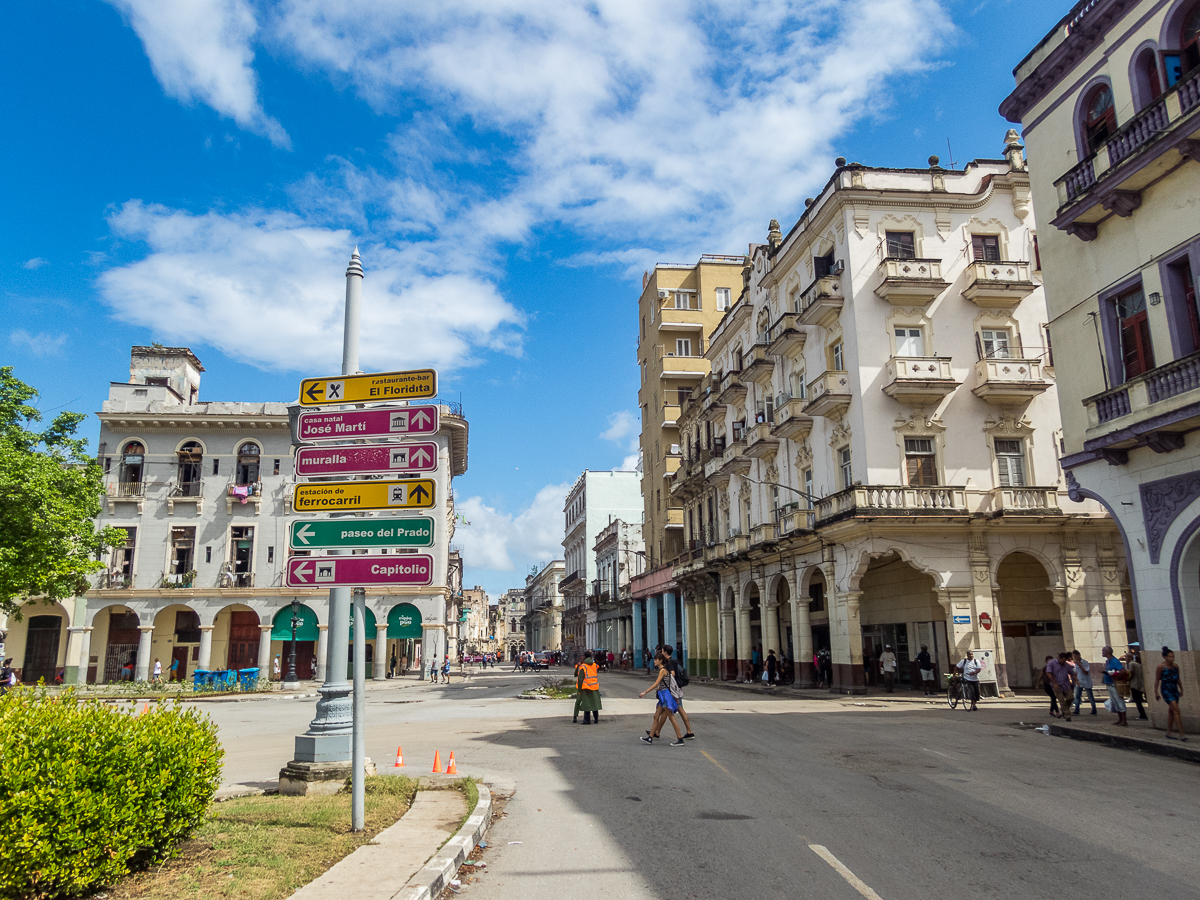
(359, 571)
(382, 421)
(367, 459)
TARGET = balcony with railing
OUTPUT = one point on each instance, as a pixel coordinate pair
(1008, 382)
(185, 492)
(241, 494)
(877, 501)
(821, 304)
(1153, 142)
(1025, 501)
(1154, 408)
(793, 517)
(732, 389)
(829, 394)
(735, 461)
(998, 285)
(736, 542)
(758, 364)
(127, 490)
(116, 580)
(760, 443)
(910, 282)
(918, 380)
(787, 336)
(790, 420)
(763, 533)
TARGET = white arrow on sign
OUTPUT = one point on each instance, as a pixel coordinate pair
(421, 419)
(302, 572)
(420, 456)
(303, 534)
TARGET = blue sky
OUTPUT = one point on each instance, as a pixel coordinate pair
(196, 172)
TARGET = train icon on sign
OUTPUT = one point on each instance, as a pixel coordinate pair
(398, 495)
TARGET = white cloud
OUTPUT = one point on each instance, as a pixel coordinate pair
(269, 288)
(620, 425)
(40, 344)
(200, 50)
(36, 263)
(497, 541)
(679, 125)
(623, 429)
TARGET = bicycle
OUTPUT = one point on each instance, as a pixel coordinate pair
(956, 691)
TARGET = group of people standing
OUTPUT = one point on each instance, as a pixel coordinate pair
(1067, 678)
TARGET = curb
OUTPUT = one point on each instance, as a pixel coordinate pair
(1124, 742)
(433, 878)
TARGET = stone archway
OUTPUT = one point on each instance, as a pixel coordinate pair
(1031, 622)
(38, 642)
(898, 608)
(236, 638)
(176, 640)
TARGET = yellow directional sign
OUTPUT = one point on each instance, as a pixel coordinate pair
(351, 496)
(417, 384)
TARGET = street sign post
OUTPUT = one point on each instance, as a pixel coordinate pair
(367, 459)
(417, 384)
(356, 496)
(359, 571)
(348, 533)
(382, 421)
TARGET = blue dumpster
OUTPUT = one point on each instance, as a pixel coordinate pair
(201, 678)
(248, 678)
(224, 679)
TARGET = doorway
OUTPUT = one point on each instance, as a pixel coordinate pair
(41, 649)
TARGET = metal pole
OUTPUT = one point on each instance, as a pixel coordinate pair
(335, 707)
(357, 812)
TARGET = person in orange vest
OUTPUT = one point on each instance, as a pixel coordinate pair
(578, 695)
(587, 680)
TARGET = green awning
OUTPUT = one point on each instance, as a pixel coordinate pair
(281, 625)
(404, 622)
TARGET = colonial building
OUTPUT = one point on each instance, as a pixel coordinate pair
(1110, 102)
(510, 627)
(476, 628)
(544, 607)
(203, 493)
(873, 458)
(679, 306)
(619, 557)
(594, 501)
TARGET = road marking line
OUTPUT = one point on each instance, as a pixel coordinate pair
(938, 752)
(855, 882)
(715, 763)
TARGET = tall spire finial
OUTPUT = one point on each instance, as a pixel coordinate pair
(355, 264)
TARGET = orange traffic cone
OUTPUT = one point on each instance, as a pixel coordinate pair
(145, 709)
(437, 763)
(451, 769)
(399, 758)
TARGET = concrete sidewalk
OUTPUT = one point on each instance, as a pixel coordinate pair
(381, 869)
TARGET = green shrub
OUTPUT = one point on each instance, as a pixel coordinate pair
(87, 790)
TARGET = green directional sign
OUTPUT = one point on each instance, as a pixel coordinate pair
(336, 534)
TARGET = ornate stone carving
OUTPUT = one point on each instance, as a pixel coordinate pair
(862, 215)
(804, 456)
(919, 426)
(1162, 502)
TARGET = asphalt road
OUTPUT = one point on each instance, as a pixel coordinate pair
(777, 797)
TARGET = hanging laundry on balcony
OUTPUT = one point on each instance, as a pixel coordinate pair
(241, 491)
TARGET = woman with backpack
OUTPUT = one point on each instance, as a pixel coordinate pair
(667, 692)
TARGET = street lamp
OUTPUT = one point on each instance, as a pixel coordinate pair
(291, 680)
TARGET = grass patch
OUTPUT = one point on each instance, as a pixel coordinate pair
(470, 790)
(264, 848)
(554, 688)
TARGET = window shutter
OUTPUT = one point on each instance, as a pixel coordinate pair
(978, 346)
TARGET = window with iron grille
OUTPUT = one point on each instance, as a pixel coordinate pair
(920, 462)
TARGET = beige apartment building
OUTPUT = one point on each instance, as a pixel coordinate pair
(1110, 104)
(873, 459)
(677, 311)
